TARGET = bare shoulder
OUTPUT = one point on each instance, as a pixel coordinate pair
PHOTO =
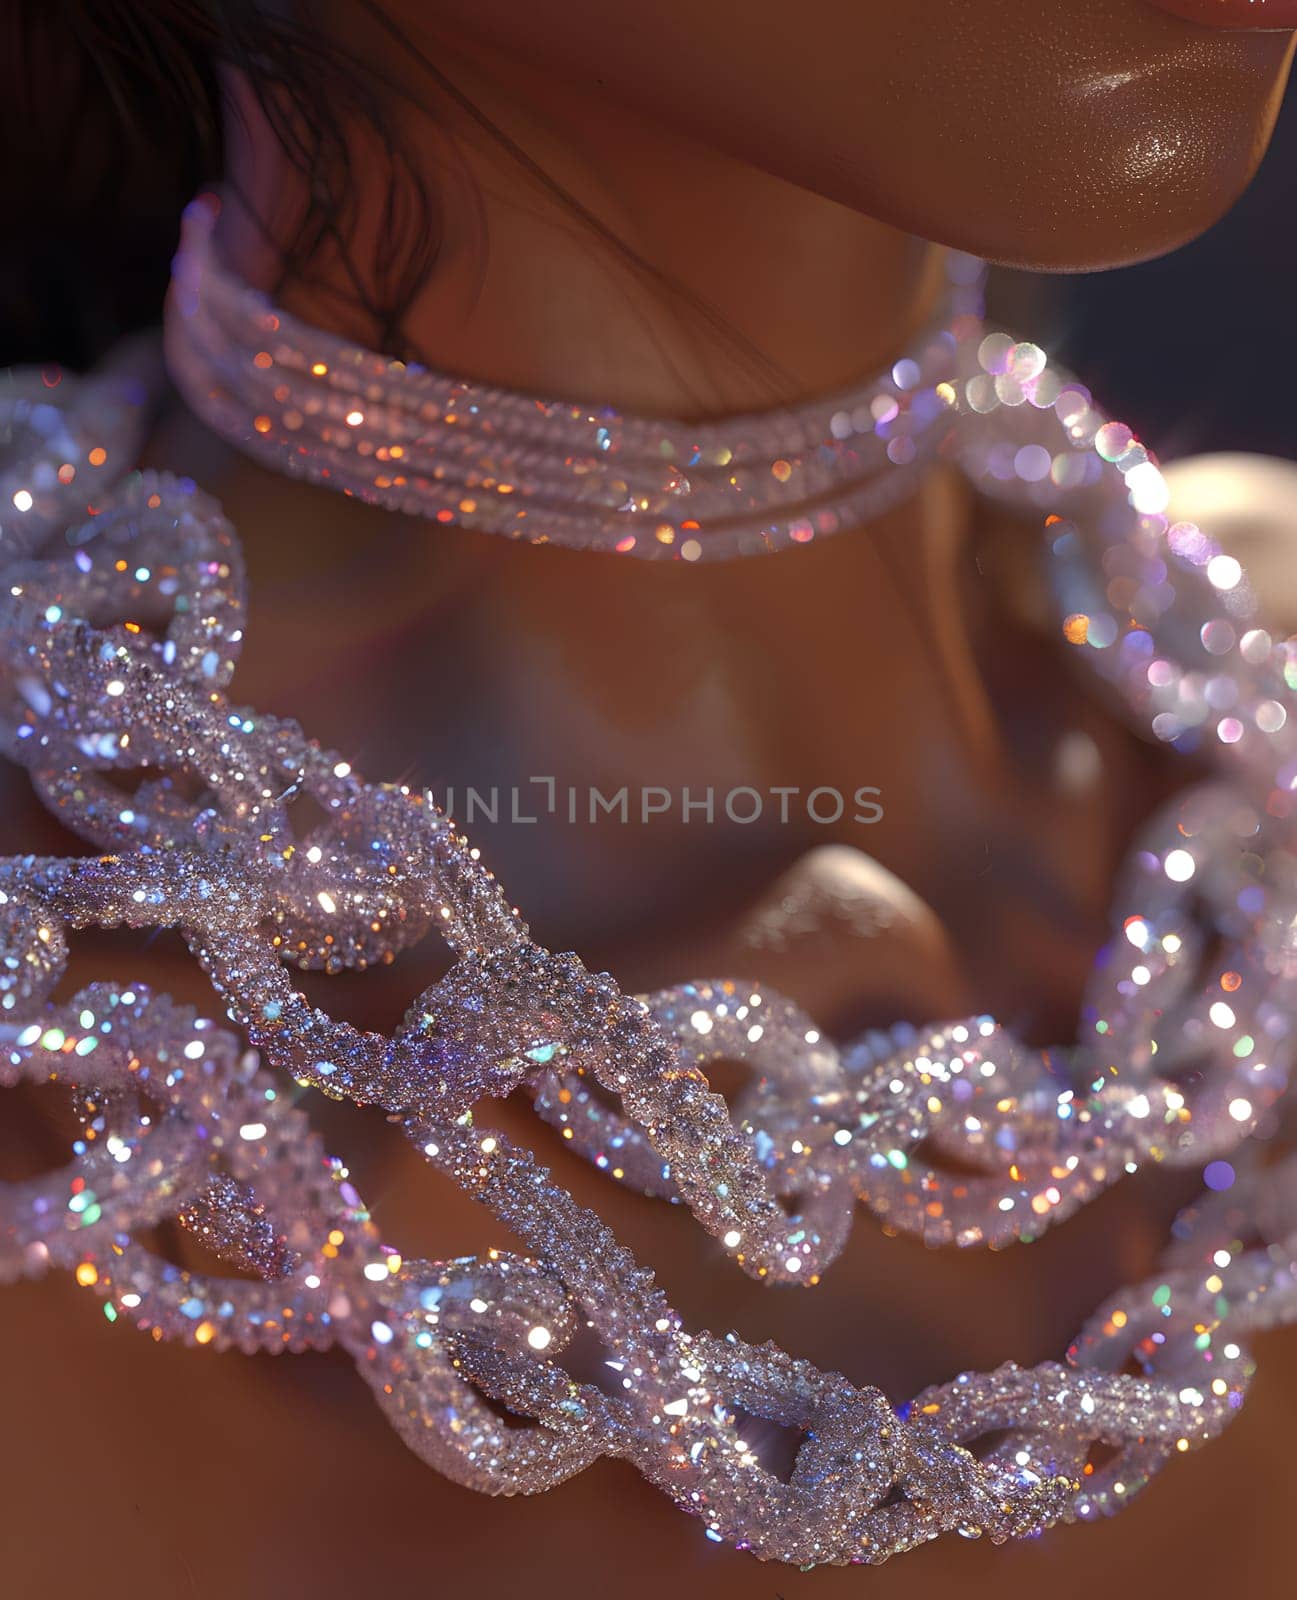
(1249, 504)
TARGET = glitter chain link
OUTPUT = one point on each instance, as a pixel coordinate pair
(124, 602)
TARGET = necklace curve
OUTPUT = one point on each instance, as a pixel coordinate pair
(124, 596)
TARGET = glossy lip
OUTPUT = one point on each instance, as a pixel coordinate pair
(1256, 15)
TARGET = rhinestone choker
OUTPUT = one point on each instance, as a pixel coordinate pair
(549, 471)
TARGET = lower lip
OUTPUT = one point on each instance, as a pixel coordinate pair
(1277, 15)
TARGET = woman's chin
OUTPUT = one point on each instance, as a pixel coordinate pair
(1060, 137)
(1083, 175)
(1112, 224)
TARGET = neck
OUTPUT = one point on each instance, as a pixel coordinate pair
(731, 290)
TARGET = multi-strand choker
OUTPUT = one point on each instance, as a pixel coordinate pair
(123, 595)
(548, 471)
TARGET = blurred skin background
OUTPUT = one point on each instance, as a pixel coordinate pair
(1198, 352)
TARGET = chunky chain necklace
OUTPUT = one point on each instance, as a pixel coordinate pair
(123, 605)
